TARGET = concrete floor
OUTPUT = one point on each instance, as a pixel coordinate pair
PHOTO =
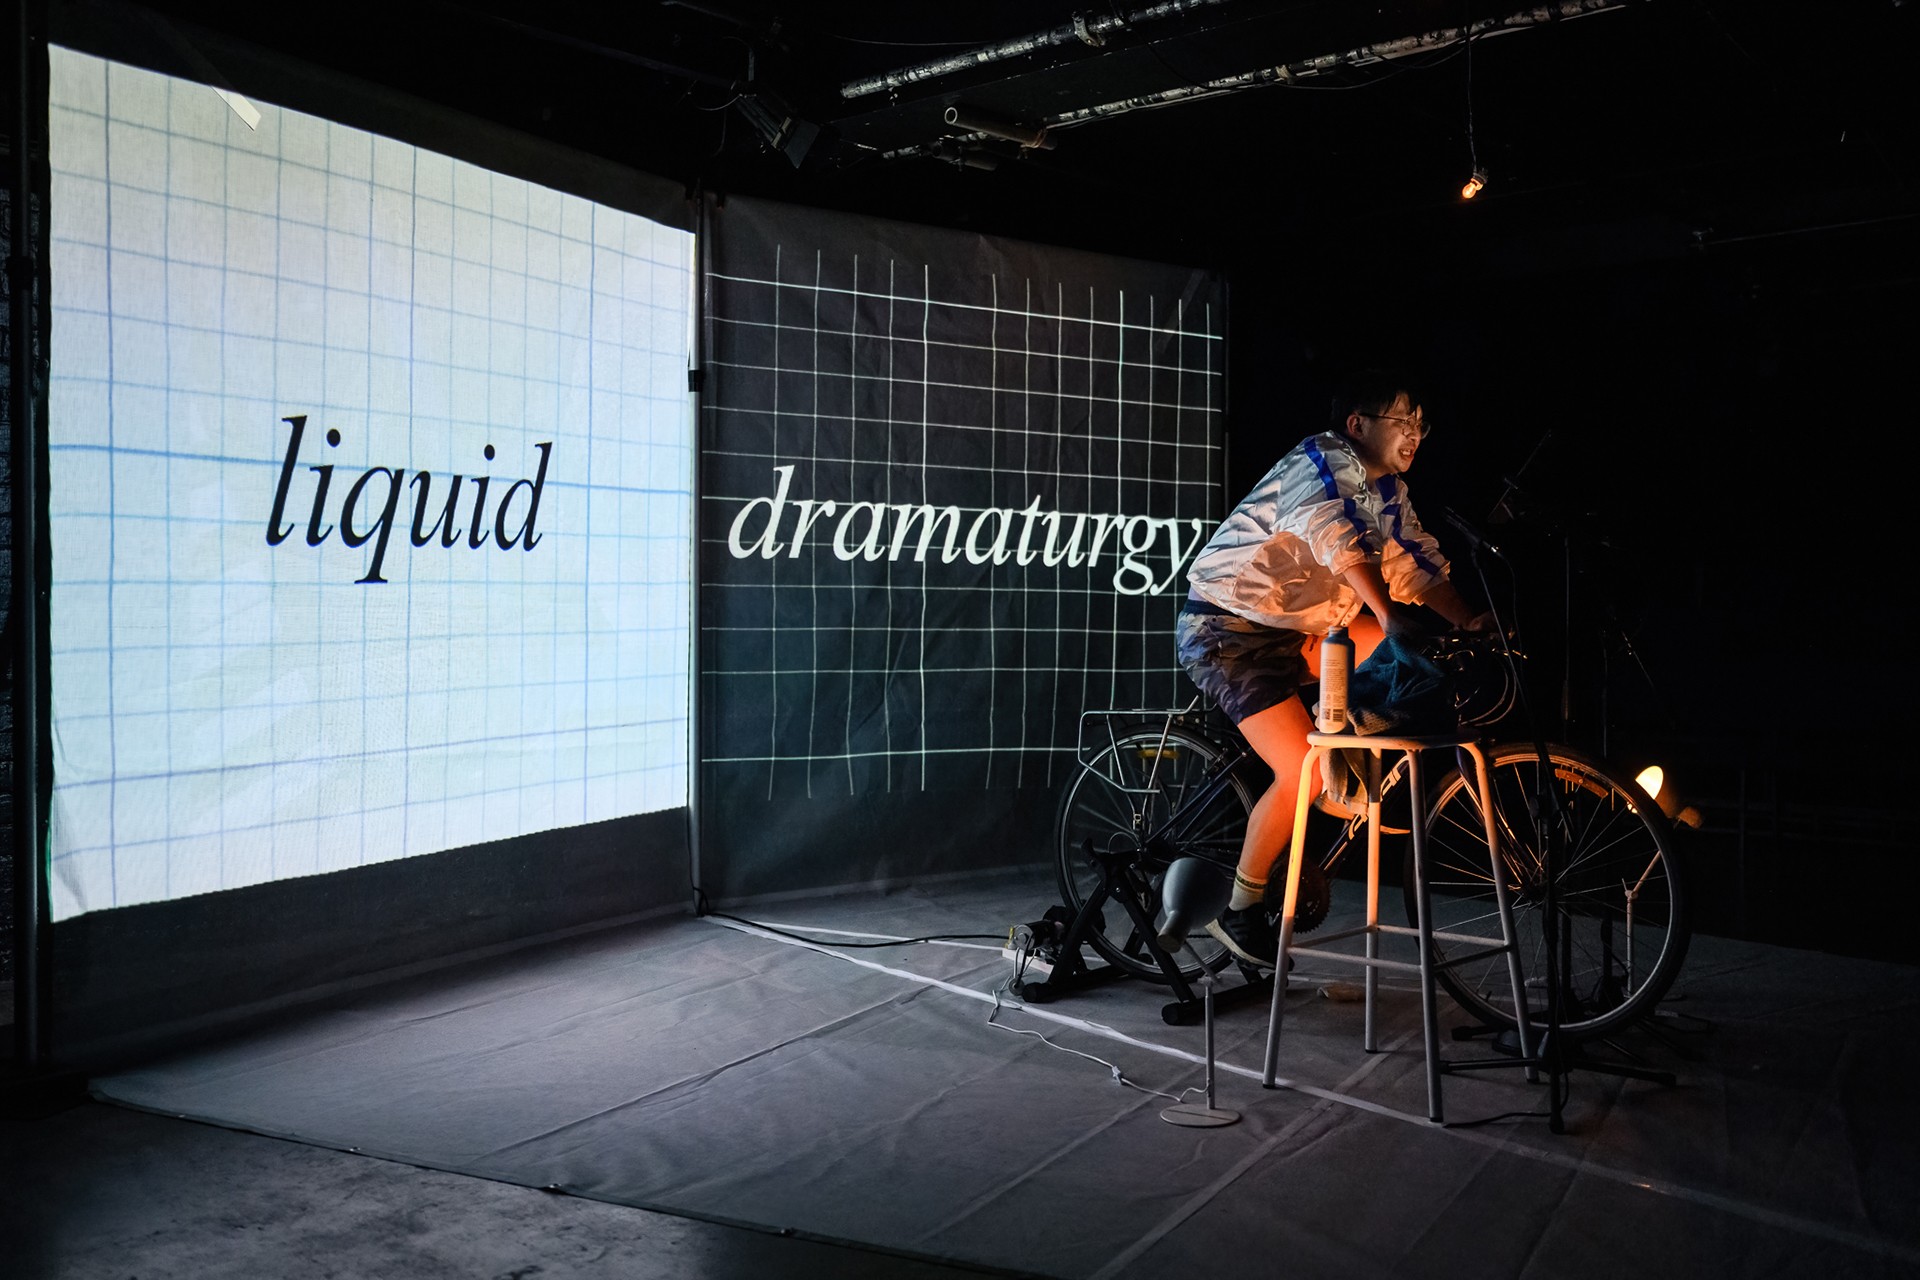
(98, 1192)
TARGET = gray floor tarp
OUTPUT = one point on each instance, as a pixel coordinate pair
(891, 1096)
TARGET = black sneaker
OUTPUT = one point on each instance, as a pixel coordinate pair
(1249, 935)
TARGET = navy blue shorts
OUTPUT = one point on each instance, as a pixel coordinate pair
(1244, 667)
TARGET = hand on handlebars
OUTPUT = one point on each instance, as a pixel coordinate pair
(1417, 627)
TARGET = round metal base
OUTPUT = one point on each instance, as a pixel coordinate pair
(1195, 1115)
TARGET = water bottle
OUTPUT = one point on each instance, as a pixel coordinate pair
(1336, 665)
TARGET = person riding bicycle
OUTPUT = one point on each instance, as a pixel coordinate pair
(1329, 530)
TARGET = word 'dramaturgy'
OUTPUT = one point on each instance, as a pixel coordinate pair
(1147, 552)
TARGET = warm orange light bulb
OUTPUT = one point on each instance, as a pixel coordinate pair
(1650, 779)
(1472, 189)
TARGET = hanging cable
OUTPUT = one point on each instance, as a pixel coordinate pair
(1477, 181)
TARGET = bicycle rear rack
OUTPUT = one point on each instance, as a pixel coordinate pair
(1097, 730)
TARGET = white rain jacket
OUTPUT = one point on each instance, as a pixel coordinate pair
(1277, 559)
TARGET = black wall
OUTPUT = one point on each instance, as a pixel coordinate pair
(1684, 307)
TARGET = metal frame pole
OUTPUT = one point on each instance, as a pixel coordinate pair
(26, 615)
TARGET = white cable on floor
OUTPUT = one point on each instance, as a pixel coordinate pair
(1119, 1076)
(1083, 1024)
(1571, 1163)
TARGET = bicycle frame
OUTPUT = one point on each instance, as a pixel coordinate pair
(1173, 830)
(1604, 901)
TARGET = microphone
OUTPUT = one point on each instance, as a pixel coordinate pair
(1192, 893)
(1503, 511)
(1506, 511)
(1472, 535)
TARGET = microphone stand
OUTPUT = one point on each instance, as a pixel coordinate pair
(1190, 892)
(1190, 1115)
(1549, 817)
(1547, 1054)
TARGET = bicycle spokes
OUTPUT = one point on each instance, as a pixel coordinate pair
(1618, 911)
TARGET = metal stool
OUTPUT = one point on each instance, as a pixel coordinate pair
(1318, 744)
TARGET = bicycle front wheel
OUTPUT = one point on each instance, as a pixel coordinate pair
(1127, 790)
(1619, 898)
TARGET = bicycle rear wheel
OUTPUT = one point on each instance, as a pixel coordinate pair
(1620, 898)
(1129, 787)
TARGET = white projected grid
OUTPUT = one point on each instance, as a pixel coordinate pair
(1094, 401)
(228, 712)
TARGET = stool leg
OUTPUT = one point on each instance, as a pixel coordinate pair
(1503, 901)
(1372, 1041)
(1429, 1007)
(1307, 769)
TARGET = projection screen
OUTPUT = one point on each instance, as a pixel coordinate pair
(369, 497)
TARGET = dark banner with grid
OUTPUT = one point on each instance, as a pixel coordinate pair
(950, 488)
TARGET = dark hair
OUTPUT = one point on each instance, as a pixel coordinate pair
(1370, 391)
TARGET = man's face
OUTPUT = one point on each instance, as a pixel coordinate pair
(1387, 441)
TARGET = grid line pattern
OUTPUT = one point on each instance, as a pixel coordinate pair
(467, 349)
(943, 510)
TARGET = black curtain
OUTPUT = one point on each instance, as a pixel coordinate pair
(949, 488)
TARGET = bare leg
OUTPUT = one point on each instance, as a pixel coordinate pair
(1279, 736)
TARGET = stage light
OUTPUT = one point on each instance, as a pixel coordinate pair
(1475, 185)
(1653, 781)
(975, 121)
(778, 124)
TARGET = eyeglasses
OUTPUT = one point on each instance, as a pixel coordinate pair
(1416, 426)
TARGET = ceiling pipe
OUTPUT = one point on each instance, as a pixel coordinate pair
(972, 121)
(1289, 72)
(1089, 30)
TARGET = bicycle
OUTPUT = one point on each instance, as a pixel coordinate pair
(1156, 785)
